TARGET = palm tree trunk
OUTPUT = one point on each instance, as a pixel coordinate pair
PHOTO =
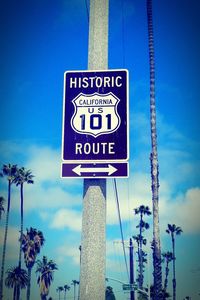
(28, 292)
(22, 221)
(75, 291)
(154, 163)
(140, 257)
(18, 292)
(174, 271)
(21, 232)
(5, 241)
(166, 276)
(14, 293)
(65, 295)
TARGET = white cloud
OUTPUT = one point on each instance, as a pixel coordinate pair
(38, 197)
(179, 208)
(49, 190)
(184, 211)
(13, 236)
(66, 218)
(69, 251)
(45, 163)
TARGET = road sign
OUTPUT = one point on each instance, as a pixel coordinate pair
(95, 116)
(92, 170)
(129, 287)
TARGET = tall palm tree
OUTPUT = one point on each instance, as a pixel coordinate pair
(9, 171)
(141, 211)
(66, 288)
(74, 283)
(174, 230)
(167, 257)
(32, 242)
(59, 290)
(45, 270)
(17, 279)
(22, 176)
(157, 267)
(2, 201)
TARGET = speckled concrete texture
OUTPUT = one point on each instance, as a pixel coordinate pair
(93, 246)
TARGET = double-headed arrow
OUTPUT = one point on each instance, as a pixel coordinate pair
(109, 169)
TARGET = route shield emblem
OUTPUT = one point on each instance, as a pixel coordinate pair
(95, 114)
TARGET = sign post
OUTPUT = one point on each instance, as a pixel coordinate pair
(95, 144)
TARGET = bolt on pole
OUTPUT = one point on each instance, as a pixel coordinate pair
(93, 241)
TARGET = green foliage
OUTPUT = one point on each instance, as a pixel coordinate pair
(9, 171)
(32, 242)
(22, 176)
(173, 229)
(141, 241)
(17, 279)
(167, 256)
(45, 270)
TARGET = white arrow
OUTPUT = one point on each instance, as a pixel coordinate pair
(109, 169)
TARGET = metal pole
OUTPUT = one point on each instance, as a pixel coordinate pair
(132, 294)
(93, 244)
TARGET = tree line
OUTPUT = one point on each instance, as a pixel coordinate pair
(30, 243)
(167, 257)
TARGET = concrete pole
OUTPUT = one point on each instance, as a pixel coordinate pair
(93, 243)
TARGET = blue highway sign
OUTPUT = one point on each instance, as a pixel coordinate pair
(95, 116)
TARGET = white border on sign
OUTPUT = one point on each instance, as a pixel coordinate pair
(128, 130)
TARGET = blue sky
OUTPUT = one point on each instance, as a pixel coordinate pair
(42, 40)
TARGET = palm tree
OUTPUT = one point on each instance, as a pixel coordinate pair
(2, 200)
(66, 288)
(45, 270)
(59, 290)
(74, 283)
(17, 279)
(141, 210)
(138, 239)
(9, 171)
(168, 257)
(174, 230)
(22, 176)
(157, 267)
(32, 242)
(109, 293)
